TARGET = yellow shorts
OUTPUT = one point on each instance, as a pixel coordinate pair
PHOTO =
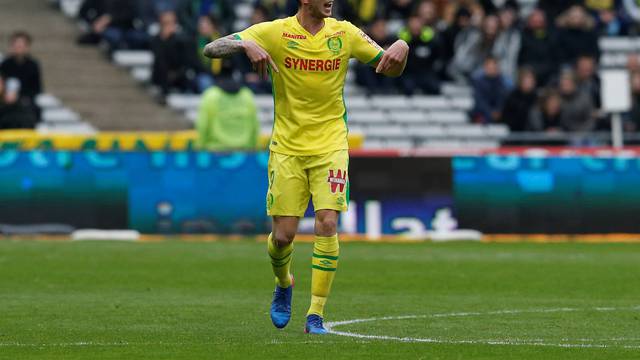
(294, 179)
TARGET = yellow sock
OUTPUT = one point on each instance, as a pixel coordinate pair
(323, 269)
(280, 262)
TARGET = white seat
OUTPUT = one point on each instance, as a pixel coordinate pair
(407, 117)
(482, 144)
(183, 101)
(399, 144)
(131, 58)
(454, 89)
(430, 102)
(390, 102)
(442, 143)
(141, 74)
(426, 131)
(191, 115)
(616, 44)
(613, 60)
(60, 115)
(75, 128)
(462, 102)
(47, 101)
(447, 117)
(265, 117)
(264, 102)
(497, 130)
(366, 117)
(357, 102)
(386, 131)
(243, 10)
(370, 143)
(465, 131)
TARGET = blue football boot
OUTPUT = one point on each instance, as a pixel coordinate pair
(281, 305)
(314, 325)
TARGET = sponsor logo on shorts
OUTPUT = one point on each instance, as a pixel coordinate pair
(337, 180)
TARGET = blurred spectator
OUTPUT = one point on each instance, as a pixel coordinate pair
(577, 107)
(471, 50)
(490, 91)
(538, 49)
(553, 8)
(632, 118)
(421, 72)
(24, 69)
(632, 9)
(359, 12)
(13, 115)
(277, 9)
(190, 11)
(114, 22)
(372, 82)
(208, 31)
(461, 24)
(587, 78)
(400, 9)
(251, 78)
(451, 7)
(520, 101)
(492, 6)
(546, 116)
(508, 42)
(610, 17)
(576, 35)
(175, 64)
(633, 63)
(227, 118)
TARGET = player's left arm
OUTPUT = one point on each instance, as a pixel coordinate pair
(390, 62)
(394, 59)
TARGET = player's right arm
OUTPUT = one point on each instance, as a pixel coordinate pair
(252, 42)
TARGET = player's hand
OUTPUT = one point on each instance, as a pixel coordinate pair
(260, 59)
(393, 58)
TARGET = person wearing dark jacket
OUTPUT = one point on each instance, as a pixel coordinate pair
(461, 22)
(424, 51)
(538, 50)
(546, 116)
(175, 64)
(112, 21)
(22, 67)
(576, 36)
(375, 83)
(490, 90)
(520, 101)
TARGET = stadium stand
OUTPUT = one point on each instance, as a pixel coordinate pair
(444, 118)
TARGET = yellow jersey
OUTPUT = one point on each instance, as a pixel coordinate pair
(310, 114)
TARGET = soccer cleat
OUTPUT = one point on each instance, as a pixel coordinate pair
(314, 325)
(281, 305)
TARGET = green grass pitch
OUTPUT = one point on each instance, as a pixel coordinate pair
(181, 300)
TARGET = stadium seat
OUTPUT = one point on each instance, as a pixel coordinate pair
(59, 115)
(447, 117)
(465, 131)
(426, 131)
(191, 115)
(407, 116)
(47, 101)
(390, 102)
(462, 103)
(183, 101)
(386, 131)
(430, 102)
(497, 130)
(141, 74)
(617, 44)
(357, 103)
(454, 89)
(75, 128)
(613, 60)
(366, 117)
(131, 58)
(264, 102)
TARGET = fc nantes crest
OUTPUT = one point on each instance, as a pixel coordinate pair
(334, 44)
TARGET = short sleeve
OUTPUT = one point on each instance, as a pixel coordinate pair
(363, 47)
(260, 33)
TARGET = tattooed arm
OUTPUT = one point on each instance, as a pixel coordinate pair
(227, 46)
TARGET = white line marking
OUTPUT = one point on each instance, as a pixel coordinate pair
(566, 343)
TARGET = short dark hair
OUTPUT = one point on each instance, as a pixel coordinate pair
(20, 35)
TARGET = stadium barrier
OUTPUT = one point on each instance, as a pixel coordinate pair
(506, 191)
(117, 141)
